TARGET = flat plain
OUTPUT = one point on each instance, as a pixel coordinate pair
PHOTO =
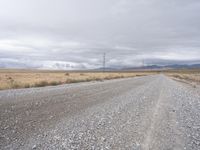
(14, 78)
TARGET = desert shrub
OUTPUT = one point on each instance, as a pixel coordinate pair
(41, 84)
(54, 83)
(96, 79)
(76, 80)
(67, 74)
(15, 85)
(10, 78)
(11, 81)
(79, 80)
(27, 85)
(122, 76)
(108, 78)
(68, 81)
(177, 76)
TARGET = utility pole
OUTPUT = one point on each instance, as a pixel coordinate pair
(142, 62)
(104, 61)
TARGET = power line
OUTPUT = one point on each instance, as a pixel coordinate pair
(104, 61)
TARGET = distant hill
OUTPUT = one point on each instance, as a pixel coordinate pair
(58, 65)
(175, 66)
(152, 67)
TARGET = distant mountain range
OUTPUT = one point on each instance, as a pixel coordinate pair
(154, 67)
(175, 66)
(76, 66)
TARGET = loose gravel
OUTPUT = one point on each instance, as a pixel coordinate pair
(143, 113)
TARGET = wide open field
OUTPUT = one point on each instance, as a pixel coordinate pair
(188, 75)
(12, 79)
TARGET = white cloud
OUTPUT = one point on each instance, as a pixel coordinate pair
(13, 46)
(79, 32)
(124, 48)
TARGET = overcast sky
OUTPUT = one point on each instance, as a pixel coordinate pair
(75, 33)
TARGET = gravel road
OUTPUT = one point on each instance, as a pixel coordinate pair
(142, 113)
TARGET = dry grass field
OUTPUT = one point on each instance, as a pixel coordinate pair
(13, 79)
(191, 75)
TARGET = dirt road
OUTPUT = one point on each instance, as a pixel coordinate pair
(147, 113)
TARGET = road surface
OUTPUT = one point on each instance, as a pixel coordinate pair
(142, 113)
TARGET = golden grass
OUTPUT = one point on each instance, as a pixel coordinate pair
(192, 75)
(12, 79)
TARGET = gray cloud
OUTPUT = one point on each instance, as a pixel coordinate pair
(75, 33)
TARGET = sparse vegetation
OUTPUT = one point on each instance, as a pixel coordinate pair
(12, 79)
(67, 74)
(9, 78)
(191, 75)
(27, 85)
(15, 85)
(55, 83)
(41, 84)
